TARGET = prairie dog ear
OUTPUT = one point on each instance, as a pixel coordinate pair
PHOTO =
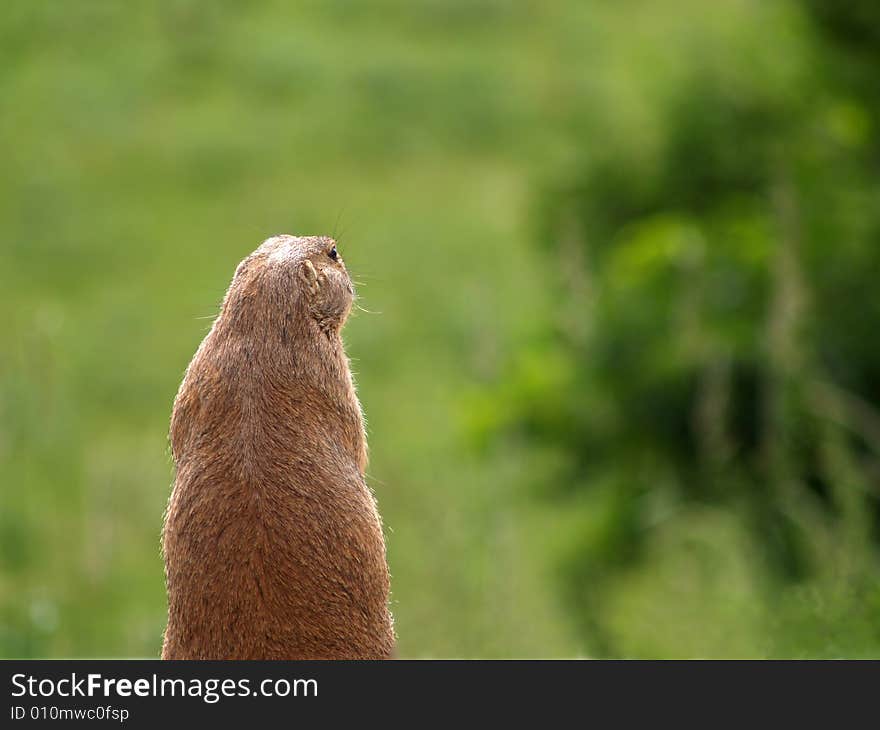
(307, 275)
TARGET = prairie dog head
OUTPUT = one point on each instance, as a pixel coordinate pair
(304, 273)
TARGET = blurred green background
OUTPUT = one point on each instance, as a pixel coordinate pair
(619, 262)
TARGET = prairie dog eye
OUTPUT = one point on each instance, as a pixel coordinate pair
(333, 253)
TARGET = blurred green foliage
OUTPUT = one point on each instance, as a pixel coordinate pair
(618, 346)
(718, 359)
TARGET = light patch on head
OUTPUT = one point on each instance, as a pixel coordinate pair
(279, 249)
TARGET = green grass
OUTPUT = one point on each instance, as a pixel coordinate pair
(146, 153)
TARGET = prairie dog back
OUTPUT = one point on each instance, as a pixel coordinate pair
(273, 545)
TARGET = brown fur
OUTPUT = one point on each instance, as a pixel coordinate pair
(273, 546)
